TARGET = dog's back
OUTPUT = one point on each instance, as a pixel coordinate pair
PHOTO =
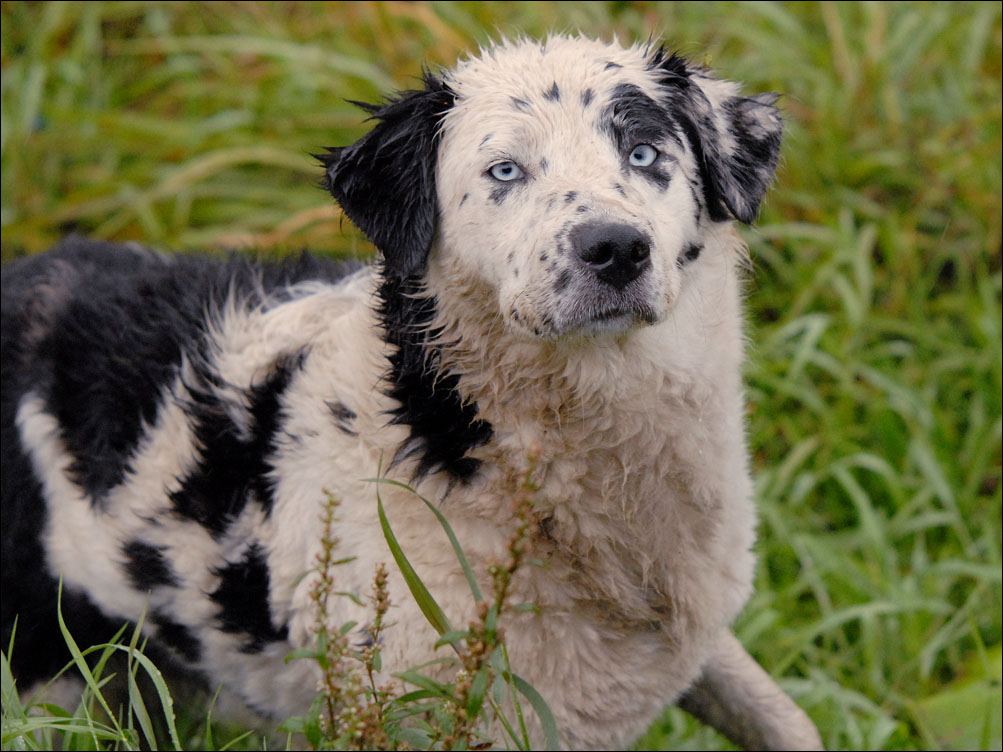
(96, 332)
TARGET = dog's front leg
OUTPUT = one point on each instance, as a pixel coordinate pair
(738, 698)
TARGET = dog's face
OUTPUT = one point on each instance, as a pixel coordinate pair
(575, 179)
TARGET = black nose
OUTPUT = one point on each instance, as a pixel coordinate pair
(616, 253)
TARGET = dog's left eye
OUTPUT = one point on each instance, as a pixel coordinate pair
(506, 171)
(643, 155)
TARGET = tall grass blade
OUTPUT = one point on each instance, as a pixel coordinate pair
(468, 572)
(550, 735)
(428, 605)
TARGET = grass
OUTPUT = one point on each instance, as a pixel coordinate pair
(874, 311)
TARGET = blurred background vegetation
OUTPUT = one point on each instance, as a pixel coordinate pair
(875, 357)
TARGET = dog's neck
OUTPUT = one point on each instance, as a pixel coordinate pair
(466, 383)
(610, 423)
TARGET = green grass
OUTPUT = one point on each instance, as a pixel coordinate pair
(875, 357)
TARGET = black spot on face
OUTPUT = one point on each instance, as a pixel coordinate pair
(464, 199)
(544, 165)
(562, 281)
(511, 256)
(553, 94)
(570, 196)
(501, 191)
(515, 271)
(242, 596)
(692, 253)
(544, 256)
(485, 140)
(612, 66)
(619, 189)
(343, 417)
(634, 118)
(520, 104)
(147, 567)
(177, 636)
(582, 209)
(587, 97)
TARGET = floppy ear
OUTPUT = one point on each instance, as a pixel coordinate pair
(385, 181)
(736, 139)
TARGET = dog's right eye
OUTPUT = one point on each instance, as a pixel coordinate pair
(505, 171)
(643, 155)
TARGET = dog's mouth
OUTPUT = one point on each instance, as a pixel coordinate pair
(603, 314)
(591, 309)
(611, 318)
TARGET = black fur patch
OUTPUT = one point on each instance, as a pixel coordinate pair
(29, 592)
(385, 181)
(587, 97)
(464, 199)
(177, 636)
(612, 66)
(242, 596)
(443, 427)
(501, 190)
(633, 118)
(147, 567)
(343, 417)
(231, 465)
(111, 348)
(113, 334)
(752, 165)
(553, 94)
(570, 196)
(733, 182)
(520, 104)
(695, 194)
(97, 331)
(544, 165)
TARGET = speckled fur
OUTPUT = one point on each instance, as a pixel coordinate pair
(630, 399)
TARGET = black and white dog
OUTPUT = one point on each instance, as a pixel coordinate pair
(558, 278)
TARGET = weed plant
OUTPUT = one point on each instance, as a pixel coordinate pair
(874, 377)
(479, 709)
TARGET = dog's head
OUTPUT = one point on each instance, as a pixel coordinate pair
(573, 178)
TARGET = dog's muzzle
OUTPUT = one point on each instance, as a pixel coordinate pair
(616, 254)
(612, 290)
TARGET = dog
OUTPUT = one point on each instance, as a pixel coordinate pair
(557, 293)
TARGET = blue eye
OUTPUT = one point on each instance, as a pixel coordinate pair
(506, 171)
(643, 155)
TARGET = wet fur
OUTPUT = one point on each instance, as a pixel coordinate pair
(170, 423)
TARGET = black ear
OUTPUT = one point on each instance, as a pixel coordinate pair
(385, 181)
(736, 139)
